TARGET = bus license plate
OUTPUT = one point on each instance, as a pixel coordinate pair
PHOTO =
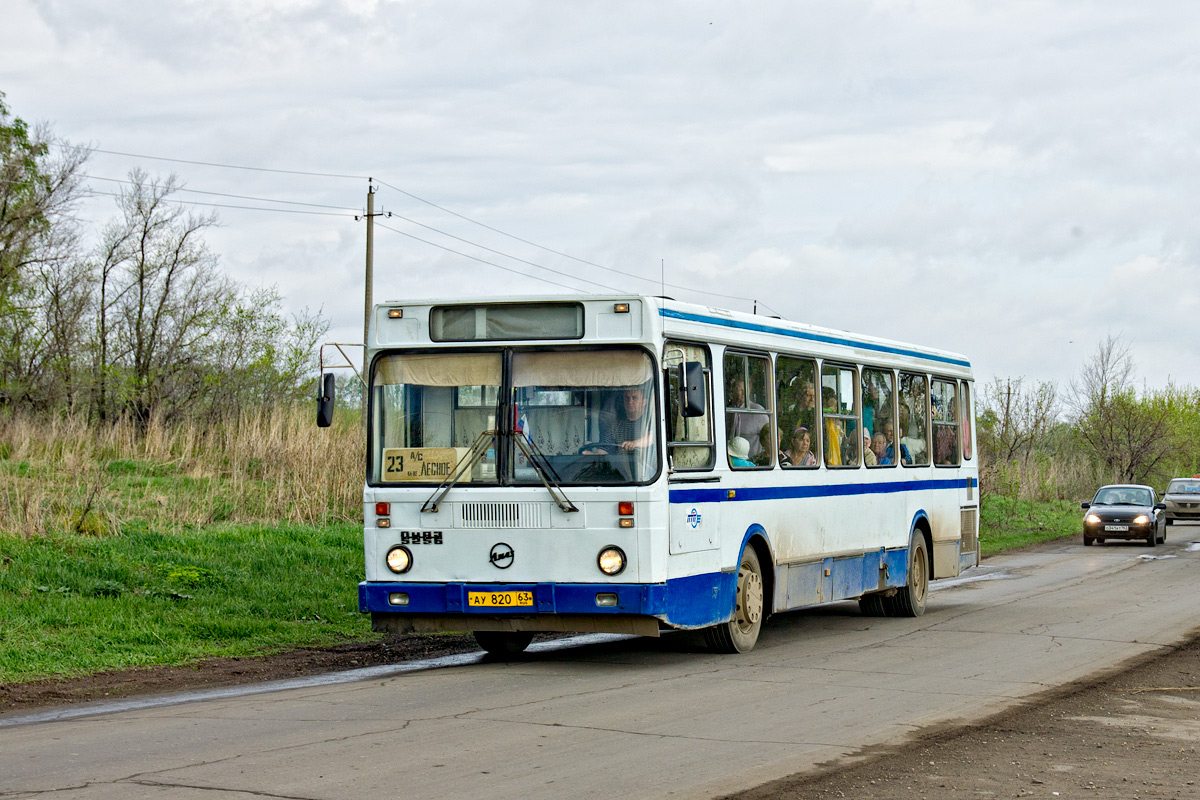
(1116, 527)
(499, 599)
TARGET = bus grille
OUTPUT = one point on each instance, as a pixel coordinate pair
(500, 515)
(970, 528)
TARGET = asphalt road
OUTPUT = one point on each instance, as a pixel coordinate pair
(640, 717)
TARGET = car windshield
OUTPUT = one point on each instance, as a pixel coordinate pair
(1122, 496)
(1184, 487)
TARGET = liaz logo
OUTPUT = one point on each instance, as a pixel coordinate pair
(694, 518)
(501, 555)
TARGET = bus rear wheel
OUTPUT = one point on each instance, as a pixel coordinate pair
(740, 633)
(503, 643)
(909, 600)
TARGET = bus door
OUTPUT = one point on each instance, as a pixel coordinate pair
(695, 508)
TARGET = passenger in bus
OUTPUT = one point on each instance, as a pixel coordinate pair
(834, 431)
(869, 457)
(879, 447)
(750, 427)
(799, 454)
(889, 435)
(739, 452)
(629, 427)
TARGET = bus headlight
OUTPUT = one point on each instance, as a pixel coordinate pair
(611, 560)
(399, 559)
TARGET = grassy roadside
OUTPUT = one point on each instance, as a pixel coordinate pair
(77, 603)
(1008, 524)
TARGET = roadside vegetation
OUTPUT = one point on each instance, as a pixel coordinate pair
(165, 495)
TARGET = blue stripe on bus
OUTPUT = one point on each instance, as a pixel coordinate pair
(813, 337)
(747, 493)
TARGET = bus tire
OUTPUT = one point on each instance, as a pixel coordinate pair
(909, 599)
(503, 643)
(740, 633)
(872, 605)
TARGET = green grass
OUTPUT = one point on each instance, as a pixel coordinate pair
(1007, 524)
(72, 604)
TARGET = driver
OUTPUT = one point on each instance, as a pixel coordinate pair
(629, 428)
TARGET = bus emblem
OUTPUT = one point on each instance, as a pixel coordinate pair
(694, 518)
(501, 555)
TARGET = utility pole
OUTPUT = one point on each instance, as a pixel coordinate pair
(369, 284)
(368, 299)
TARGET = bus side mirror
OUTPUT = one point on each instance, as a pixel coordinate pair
(693, 401)
(325, 401)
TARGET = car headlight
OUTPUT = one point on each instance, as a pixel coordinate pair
(1141, 519)
(1092, 519)
(399, 559)
(611, 560)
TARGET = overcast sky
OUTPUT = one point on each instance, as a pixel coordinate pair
(1013, 181)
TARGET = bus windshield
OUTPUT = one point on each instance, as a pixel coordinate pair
(585, 417)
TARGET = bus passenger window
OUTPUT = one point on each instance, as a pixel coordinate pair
(944, 404)
(748, 411)
(689, 439)
(914, 420)
(796, 405)
(878, 402)
(964, 420)
(839, 411)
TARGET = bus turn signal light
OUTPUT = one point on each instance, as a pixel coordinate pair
(382, 509)
(625, 509)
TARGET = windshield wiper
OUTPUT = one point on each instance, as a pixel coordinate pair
(470, 459)
(537, 459)
(467, 463)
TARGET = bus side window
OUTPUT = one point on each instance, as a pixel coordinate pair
(689, 439)
(964, 420)
(841, 426)
(943, 402)
(914, 420)
(796, 406)
(750, 442)
(879, 402)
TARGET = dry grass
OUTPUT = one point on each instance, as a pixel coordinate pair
(269, 466)
(1040, 478)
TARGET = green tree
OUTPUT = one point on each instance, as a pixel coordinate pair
(43, 293)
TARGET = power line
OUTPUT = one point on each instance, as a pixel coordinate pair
(235, 196)
(230, 166)
(432, 204)
(482, 260)
(93, 192)
(499, 253)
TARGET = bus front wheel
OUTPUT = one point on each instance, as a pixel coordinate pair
(503, 643)
(740, 633)
(909, 599)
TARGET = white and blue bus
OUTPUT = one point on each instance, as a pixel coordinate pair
(633, 464)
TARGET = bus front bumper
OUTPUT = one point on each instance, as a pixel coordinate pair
(693, 602)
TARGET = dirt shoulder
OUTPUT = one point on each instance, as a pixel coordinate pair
(19, 698)
(1132, 733)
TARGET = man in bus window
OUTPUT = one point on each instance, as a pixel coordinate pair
(741, 423)
(629, 426)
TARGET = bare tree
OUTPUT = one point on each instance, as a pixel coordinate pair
(1019, 417)
(161, 302)
(1128, 435)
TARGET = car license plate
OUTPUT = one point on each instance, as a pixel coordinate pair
(1116, 527)
(499, 599)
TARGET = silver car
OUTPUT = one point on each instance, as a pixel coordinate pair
(1182, 499)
